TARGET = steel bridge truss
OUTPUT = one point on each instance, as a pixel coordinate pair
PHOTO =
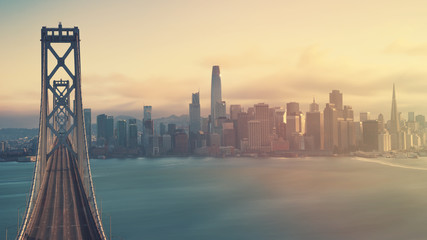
(62, 126)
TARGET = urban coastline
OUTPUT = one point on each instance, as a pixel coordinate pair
(258, 131)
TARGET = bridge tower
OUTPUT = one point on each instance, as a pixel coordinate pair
(61, 117)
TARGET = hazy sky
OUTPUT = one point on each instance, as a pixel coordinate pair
(157, 53)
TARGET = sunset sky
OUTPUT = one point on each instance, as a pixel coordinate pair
(157, 53)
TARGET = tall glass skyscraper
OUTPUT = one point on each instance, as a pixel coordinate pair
(217, 106)
(195, 113)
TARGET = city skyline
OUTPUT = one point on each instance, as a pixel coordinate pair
(267, 53)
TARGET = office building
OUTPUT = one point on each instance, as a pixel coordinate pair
(261, 115)
(217, 105)
(364, 116)
(370, 135)
(133, 134)
(122, 133)
(315, 128)
(254, 135)
(234, 112)
(335, 97)
(330, 116)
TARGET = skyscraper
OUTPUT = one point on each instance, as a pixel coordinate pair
(314, 107)
(370, 135)
(234, 111)
(194, 127)
(195, 113)
(216, 98)
(148, 130)
(395, 123)
(364, 116)
(335, 97)
(122, 133)
(133, 134)
(261, 115)
(109, 130)
(331, 127)
(101, 125)
(254, 135)
(293, 120)
(88, 127)
(315, 126)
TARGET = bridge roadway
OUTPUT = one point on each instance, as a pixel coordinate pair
(62, 210)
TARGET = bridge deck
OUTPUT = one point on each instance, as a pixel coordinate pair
(62, 210)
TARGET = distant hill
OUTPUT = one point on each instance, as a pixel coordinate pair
(7, 134)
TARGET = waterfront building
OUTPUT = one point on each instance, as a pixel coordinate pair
(122, 133)
(330, 116)
(370, 135)
(133, 134)
(315, 128)
(254, 135)
(261, 115)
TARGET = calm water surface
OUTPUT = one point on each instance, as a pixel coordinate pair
(244, 198)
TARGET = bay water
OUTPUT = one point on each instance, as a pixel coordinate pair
(245, 198)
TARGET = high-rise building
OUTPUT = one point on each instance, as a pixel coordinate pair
(194, 127)
(181, 142)
(162, 127)
(370, 135)
(148, 131)
(293, 121)
(195, 113)
(314, 107)
(216, 98)
(272, 120)
(166, 143)
(242, 127)
(315, 128)
(101, 125)
(330, 116)
(411, 117)
(133, 134)
(421, 121)
(122, 133)
(105, 130)
(348, 113)
(234, 111)
(109, 130)
(254, 132)
(261, 115)
(147, 113)
(171, 132)
(394, 124)
(87, 112)
(335, 97)
(364, 116)
(228, 134)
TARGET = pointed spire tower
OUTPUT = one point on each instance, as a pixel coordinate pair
(394, 120)
(314, 107)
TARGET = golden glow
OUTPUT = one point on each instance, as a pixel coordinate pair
(158, 53)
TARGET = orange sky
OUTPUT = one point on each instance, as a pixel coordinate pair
(137, 53)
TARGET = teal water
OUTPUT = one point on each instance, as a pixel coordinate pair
(245, 198)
